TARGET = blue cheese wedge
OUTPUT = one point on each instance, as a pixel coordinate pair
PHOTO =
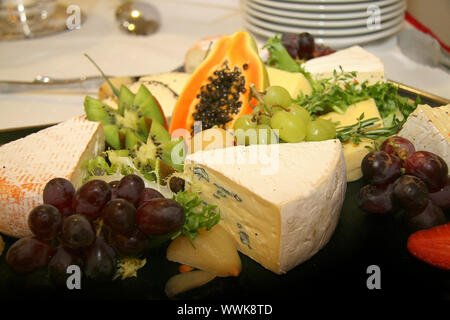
(368, 67)
(280, 203)
(27, 164)
(429, 129)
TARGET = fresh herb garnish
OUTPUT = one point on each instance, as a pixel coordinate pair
(279, 57)
(340, 91)
(198, 214)
(114, 89)
(366, 129)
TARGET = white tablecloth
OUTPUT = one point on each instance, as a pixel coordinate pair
(183, 23)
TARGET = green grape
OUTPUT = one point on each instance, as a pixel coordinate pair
(266, 135)
(256, 110)
(300, 112)
(277, 95)
(264, 120)
(317, 131)
(244, 122)
(291, 128)
(329, 127)
(245, 130)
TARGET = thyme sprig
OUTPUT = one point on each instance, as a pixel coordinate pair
(366, 129)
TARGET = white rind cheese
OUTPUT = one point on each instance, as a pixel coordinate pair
(281, 203)
(27, 164)
(368, 66)
(429, 129)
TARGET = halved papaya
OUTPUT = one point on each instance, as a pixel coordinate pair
(218, 91)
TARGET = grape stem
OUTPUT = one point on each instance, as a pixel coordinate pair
(254, 93)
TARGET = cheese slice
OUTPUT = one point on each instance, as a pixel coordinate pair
(294, 82)
(280, 203)
(368, 66)
(354, 153)
(174, 80)
(429, 129)
(27, 164)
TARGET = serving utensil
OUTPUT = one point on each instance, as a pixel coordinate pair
(422, 48)
(94, 82)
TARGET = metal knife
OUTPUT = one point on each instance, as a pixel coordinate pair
(48, 83)
(94, 82)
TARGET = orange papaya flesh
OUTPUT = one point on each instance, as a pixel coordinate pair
(218, 91)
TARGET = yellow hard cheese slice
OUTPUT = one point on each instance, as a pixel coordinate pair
(293, 82)
(355, 153)
(429, 129)
(280, 203)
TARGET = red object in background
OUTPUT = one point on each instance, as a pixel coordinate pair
(416, 24)
(432, 246)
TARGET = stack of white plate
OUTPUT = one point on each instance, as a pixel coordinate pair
(335, 23)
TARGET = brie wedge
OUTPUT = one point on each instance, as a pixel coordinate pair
(368, 66)
(29, 163)
(429, 129)
(280, 203)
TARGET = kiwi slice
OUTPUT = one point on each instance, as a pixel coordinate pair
(98, 111)
(158, 133)
(126, 98)
(138, 125)
(112, 136)
(131, 139)
(147, 105)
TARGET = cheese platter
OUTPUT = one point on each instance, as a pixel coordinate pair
(178, 209)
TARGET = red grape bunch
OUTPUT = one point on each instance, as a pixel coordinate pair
(303, 47)
(402, 178)
(93, 226)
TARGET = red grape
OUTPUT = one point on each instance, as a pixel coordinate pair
(376, 199)
(442, 197)
(411, 193)
(305, 45)
(379, 167)
(134, 245)
(91, 197)
(59, 192)
(322, 50)
(429, 167)
(120, 216)
(45, 221)
(114, 184)
(398, 146)
(130, 188)
(290, 42)
(100, 261)
(430, 217)
(77, 231)
(28, 254)
(160, 216)
(176, 184)
(57, 267)
(149, 194)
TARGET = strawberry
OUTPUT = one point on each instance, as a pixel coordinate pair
(432, 246)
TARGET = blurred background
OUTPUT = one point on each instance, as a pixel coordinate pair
(51, 37)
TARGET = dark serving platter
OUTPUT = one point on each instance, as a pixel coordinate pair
(340, 271)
